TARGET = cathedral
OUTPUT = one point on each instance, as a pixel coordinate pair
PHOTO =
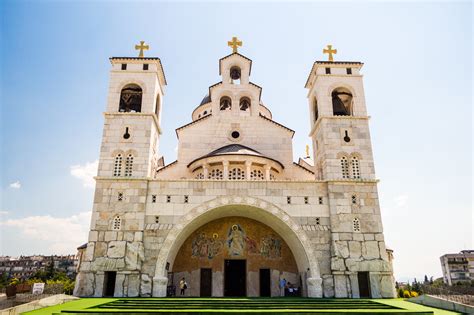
(234, 215)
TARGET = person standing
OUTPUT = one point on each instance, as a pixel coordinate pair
(183, 286)
(282, 286)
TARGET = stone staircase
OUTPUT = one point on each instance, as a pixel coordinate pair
(241, 305)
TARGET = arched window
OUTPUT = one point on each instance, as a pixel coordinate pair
(235, 75)
(244, 104)
(157, 106)
(257, 175)
(344, 167)
(215, 174)
(355, 167)
(356, 225)
(236, 174)
(341, 102)
(118, 165)
(316, 111)
(117, 223)
(131, 99)
(226, 103)
(128, 166)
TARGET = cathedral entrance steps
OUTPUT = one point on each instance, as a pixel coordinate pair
(246, 305)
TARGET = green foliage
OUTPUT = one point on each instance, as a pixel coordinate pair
(3, 280)
(14, 281)
(400, 292)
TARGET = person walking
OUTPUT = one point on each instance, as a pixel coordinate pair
(282, 286)
(183, 286)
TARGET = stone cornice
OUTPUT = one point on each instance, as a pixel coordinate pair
(331, 181)
(318, 122)
(155, 119)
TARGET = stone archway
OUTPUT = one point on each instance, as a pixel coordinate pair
(249, 207)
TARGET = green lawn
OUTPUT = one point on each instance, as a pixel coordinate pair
(237, 305)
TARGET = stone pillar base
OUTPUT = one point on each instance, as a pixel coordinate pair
(159, 286)
(315, 287)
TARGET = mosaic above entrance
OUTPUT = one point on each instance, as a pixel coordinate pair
(236, 243)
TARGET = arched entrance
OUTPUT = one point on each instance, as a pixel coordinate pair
(246, 207)
(235, 256)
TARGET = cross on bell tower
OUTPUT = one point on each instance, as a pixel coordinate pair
(330, 52)
(234, 43)
(141, 47)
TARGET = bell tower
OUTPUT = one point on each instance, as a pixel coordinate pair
(132, 117)
(343, 160)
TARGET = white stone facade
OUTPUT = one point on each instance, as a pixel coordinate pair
(235, 160)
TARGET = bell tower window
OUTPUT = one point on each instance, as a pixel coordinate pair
(244, 104)
(316, 112)
(235, 75)
(131, 99)
(344, 167)
(341, 102)
(226, 103)
(118, 165)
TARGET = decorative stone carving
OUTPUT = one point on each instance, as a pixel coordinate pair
(159, 286)
(315, 287)
(145, 285)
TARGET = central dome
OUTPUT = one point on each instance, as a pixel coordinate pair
(205, 100)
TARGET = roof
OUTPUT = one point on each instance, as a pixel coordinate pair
(82, 246)
(205, 100)
(235, 149)
(143, 58)
(278, 124)
(321, 62)
(250, 69)
(192, 123)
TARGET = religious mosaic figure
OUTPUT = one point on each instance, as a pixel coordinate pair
(236, 240)
(270, 247)
(206, 247)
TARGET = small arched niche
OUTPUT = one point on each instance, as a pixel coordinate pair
(225, 103)
(235, 75)
(157, 107)
(342, 102)
(315, 109)
(244, 104)
(131, 99)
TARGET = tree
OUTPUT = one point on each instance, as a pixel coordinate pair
(426, 280)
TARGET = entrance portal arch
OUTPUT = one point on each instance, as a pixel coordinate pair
(238, 206)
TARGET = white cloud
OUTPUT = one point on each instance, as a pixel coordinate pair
(15, 185)
(3, 212)
(59, 235)
(86, 173)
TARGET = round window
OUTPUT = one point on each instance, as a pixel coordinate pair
(235, 134)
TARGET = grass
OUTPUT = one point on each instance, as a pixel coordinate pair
(129, 306)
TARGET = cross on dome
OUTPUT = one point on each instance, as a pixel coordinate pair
(234, 43)
(141, 47)
(330, 52)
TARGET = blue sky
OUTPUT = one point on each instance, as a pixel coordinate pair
(418, 84)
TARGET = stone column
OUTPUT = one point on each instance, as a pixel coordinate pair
(315, 287)
(205, 168)
(248, 165)
(226, 169)
(159, 286)
(267, 171)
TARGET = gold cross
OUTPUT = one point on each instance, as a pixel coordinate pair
(141, 47)
(307, 151)
(234, 43)
(330, 51)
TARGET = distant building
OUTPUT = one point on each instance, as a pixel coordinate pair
(458, 267)
(25, 267)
